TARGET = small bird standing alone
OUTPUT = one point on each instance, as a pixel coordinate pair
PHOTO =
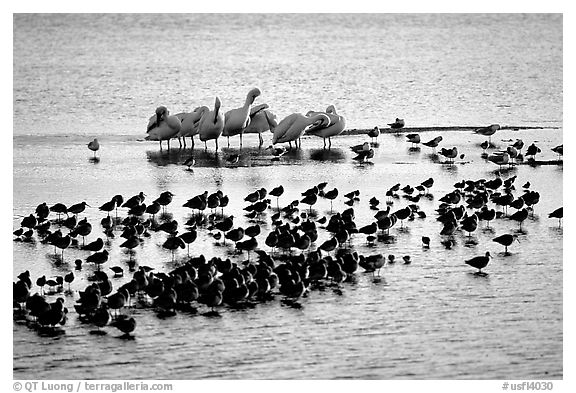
(94, 146)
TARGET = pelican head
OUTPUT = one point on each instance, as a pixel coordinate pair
(161, 110)
(331, 109)
(200, 109)
(321, 120)
(252, 94)
(271, 119)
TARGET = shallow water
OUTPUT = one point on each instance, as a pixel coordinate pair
(432, 319)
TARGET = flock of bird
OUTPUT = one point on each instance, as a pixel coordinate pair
(211, 124)
(258, 119)
(250, 118)
(291, 260)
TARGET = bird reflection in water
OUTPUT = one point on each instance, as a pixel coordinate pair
(333, 155)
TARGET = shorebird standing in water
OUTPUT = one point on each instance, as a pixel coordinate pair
(190, 163)
(94, 146)
(532, 151)
(450, 154)
(558, 150)
(506, 240)
(433, 143)
(374, 133)
(479, 262)
(413, 138)
(488, 131)
(559, 214)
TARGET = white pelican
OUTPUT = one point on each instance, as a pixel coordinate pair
(335, 127)
(211, 124)
(162, 126)
(236, 120)
(292, 126)
(190, 123)
(94, 146)
(258, 122)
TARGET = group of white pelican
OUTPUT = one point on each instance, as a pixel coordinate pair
(211, 124)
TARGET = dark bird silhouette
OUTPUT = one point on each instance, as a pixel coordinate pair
(413, 138)
(310, 200)
(426, 241)
(479, 262)
(399, 123)
(331, 195)
(374, 133)
(135, 200)
(433, 143)
(520, 216)
(96, 245)
(559, 214)
(364, 155)
(108, 206)
(190, 161)
(78, 208)
(98, 258)
(558, 150)
(164, 199)
(532, 151)
(329, 245)
(506, 240)
(69, 278)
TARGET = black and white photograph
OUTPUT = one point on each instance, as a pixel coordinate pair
(311, 195)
